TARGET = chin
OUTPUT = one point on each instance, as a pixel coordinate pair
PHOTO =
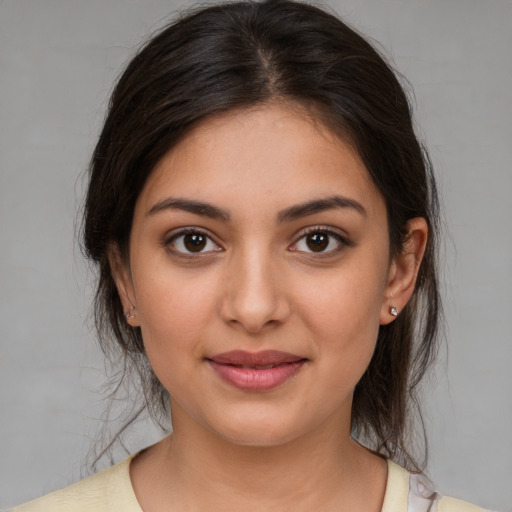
(259, 439)
(254, 432)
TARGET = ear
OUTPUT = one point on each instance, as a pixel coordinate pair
(403, 270)
(122, 277)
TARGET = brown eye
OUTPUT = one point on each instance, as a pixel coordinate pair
(320, 241)
(192, 242)
(317, 242)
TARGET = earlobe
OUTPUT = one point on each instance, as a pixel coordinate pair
(403, 271)
(122, 278)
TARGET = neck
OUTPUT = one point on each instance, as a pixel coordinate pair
(323, 470)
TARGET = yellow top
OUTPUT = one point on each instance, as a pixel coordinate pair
(111, 491)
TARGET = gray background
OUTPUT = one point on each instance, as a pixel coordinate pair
(58, 60)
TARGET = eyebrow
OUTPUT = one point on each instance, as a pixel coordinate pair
(320, 205)
(287, 215)
(188, 205)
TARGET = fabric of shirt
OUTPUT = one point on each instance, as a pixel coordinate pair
(111, 491)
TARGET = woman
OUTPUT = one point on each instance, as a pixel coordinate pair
(264, 222)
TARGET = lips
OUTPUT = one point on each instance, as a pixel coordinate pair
(256, 371)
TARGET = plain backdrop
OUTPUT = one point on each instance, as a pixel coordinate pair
(58, 61)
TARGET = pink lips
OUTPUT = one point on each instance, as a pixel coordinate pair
(256, 371)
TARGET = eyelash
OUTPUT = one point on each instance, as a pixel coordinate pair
(171, 240)
(341, 241)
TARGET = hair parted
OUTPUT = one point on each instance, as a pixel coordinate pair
(239, 55)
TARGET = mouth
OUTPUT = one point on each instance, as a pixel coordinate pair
(256, 371)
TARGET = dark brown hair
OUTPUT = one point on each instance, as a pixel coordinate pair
(237, 55)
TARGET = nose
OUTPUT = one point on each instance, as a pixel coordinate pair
(255, 297)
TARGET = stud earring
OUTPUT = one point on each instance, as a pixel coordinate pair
(129, 314)
(393, 311)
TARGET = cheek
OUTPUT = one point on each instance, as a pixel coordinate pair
(342, 312)
(174, 311)
(344, 301)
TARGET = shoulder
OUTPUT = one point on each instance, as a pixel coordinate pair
(447, 504)
(107, 491)
(406, 492)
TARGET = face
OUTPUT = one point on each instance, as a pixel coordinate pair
(260, 273)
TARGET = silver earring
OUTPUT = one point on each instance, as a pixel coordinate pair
(129, 313)
(393, 311)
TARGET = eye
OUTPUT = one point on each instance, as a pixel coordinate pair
(192, 242)
(319, 241)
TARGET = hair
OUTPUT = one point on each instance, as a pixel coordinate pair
(240, 55)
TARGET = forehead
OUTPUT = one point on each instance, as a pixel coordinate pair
(264, 156)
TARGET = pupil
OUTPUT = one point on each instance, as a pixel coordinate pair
(194, 242)
(318, 242)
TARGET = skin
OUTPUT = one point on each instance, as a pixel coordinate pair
(258, 285)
